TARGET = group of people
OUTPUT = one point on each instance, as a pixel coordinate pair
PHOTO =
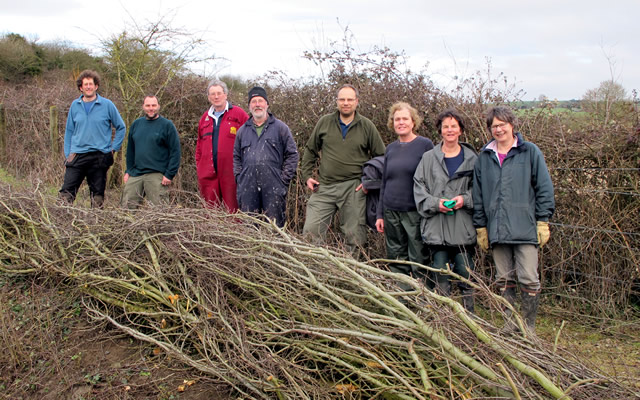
(434, 203)
(437, 203)
(153, 151)
(242, 162)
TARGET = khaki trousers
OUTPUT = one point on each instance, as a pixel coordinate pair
(147, 186)
(343, 199)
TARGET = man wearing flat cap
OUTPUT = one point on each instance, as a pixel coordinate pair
(265, 158)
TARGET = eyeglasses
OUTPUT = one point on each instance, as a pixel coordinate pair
(499, 126)
(346, 100)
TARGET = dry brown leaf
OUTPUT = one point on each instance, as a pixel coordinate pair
(346, 388)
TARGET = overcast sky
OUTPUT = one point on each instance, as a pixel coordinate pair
(557, 48)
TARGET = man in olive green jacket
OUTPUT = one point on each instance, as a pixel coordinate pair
(343, 141)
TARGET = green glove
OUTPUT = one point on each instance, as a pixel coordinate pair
(449, 204)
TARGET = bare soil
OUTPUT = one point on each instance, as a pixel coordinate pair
(51, 349)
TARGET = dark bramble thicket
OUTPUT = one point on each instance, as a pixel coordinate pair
(591, 263)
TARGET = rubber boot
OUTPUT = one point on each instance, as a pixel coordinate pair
(467, 298)
(67, 197)
(530, 301)
(508, 291)
(443, 285)
(97, 201)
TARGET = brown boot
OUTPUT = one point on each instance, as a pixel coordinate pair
(97, 201)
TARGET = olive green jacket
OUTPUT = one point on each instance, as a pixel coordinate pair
(340, 159)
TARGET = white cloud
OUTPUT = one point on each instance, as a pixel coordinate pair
(557, 48)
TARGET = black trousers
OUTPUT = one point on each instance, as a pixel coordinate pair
(93, 166)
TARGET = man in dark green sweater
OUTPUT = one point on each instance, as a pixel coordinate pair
(343, 141)
(153, 157)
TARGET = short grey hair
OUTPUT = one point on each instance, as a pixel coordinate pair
(218, 82)
(503, 113)
(347, 86)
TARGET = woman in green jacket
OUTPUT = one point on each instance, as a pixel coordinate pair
(513, 202)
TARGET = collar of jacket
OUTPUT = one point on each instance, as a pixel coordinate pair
(356, 118)
(97, 100)
(519, 144)
(466, 148)
(227, 108)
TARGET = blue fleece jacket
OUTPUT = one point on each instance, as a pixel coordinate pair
(87, 132)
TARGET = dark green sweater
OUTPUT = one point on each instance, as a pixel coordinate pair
(153, 146)
(341, 159)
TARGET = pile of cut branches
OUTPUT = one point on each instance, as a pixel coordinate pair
(276, 317)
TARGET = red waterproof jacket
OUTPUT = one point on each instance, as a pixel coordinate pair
(218, 186)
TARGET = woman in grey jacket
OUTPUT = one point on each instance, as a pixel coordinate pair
(442, 192)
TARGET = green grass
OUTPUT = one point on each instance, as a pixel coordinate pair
(5, 177)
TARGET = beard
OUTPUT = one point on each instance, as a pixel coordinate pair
(349, 115)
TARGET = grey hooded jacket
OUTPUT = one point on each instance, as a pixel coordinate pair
(431, 183)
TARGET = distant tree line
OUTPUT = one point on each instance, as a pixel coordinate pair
(21, 59)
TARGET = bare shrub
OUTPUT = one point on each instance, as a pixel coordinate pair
(270, 315)
(592, 260)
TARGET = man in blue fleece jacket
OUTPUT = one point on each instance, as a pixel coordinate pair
(88, 143)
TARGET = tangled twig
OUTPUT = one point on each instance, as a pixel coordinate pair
(271, 315)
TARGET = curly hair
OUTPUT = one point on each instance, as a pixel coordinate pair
(88, 74)
(401, 105)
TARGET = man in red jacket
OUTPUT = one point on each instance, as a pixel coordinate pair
(214, 150)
